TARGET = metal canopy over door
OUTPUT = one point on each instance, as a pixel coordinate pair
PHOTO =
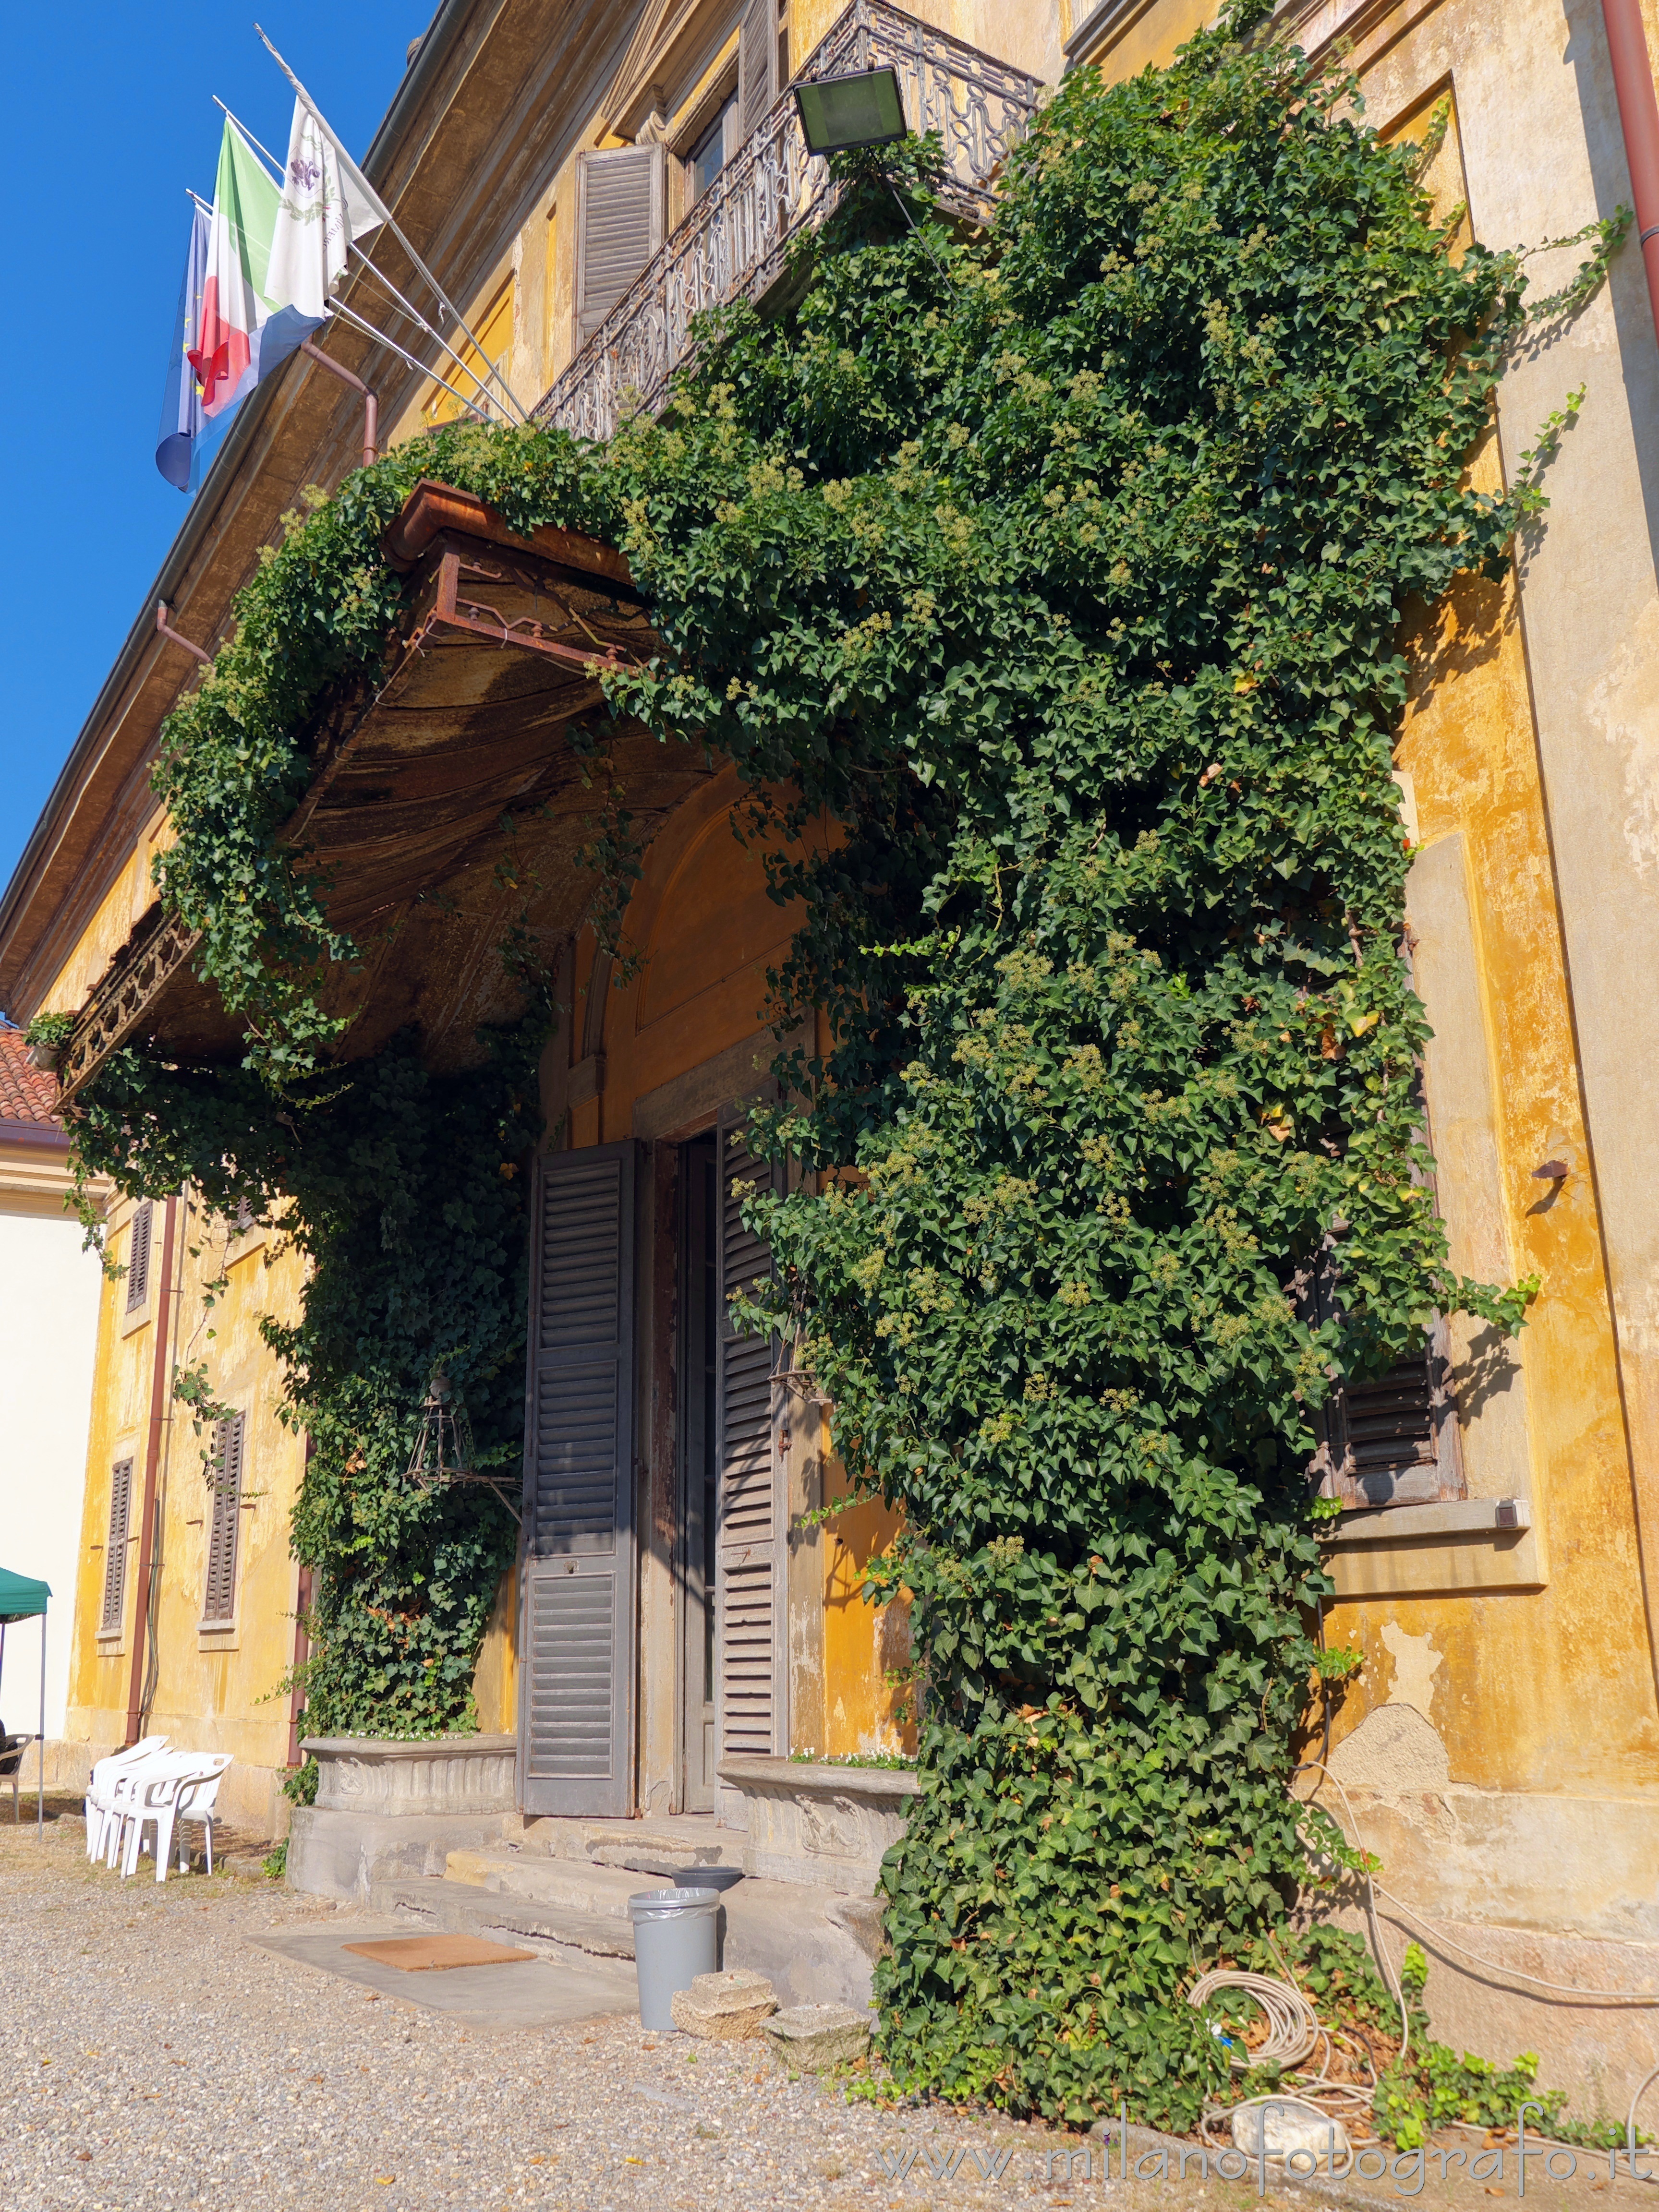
(577, 1697)
(751, 1555)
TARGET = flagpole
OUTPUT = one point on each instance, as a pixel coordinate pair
(413, 312)
(392, 224)
(280, 173)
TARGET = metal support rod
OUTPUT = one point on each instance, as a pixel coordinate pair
(371, 405)
(1638, 120)
(421, 323)
(40, 1741)
(356, 322)
(165, 628)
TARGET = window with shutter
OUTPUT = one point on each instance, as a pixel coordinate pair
(757, 62)
(621, 199)
(115, 1557)
(576, 1692)
(1392, 1441)
(750, 1559)
(138, 1255)
(225, 1488)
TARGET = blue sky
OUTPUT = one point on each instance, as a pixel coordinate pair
(112, 117)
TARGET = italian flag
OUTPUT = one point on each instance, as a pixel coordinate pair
(235, 309)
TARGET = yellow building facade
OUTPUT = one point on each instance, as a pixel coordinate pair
(1500, 1747)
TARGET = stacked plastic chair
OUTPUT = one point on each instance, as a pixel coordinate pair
(164, 1801)
(150, 1787)
(100, 1789)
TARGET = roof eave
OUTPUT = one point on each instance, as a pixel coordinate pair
(429, 57)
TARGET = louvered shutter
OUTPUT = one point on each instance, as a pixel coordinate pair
(757, 63)
(750, 1580)
(115, 1558)
(576, 1695)
(1392, 1441)
(138, 1256)
(225, 1476)
(620, 199)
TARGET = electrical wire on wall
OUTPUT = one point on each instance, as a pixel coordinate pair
(1295, 2030)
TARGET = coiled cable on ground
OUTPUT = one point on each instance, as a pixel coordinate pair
(1293, 2028)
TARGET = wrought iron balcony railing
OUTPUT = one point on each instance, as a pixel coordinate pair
(735, 242)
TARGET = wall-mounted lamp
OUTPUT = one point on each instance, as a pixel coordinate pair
(840, 112)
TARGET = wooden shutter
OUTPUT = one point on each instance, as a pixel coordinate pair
(138, 1255)
(225, 1485)
(115, 1557)
(620, 198)
(750, 1579)
(1392, 1441)
(757, 63)
(576, 1694)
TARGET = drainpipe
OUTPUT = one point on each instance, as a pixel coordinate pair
(1638, 118)
(371, 405)
(159, 1391)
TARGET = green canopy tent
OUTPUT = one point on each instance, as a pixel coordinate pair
(21, 1599)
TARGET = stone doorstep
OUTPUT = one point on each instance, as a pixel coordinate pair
(572, 1884)
(460, 1909)
(814, 1943)
(669, 1846)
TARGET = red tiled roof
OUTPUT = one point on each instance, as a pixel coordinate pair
(26, 1094)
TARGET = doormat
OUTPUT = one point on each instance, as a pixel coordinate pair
(421, 1954)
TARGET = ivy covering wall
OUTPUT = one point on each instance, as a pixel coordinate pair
(1064, 566)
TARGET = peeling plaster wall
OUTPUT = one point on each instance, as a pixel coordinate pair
(215, 1689)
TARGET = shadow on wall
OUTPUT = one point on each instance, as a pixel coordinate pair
(868, 1706)
(1587, 57)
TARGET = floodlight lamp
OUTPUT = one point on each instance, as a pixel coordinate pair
(840, 112)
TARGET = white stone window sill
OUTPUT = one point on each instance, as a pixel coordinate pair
(1449, 1517)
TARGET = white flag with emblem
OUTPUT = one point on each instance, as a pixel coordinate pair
(322, 212)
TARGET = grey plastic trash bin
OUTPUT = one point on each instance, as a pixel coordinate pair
(674, 1941)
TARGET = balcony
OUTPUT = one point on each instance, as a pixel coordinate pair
(735, 243)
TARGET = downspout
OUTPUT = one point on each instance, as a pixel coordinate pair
(159, 1380)
(302, 1595)
(169, 1423)
(1638, 120)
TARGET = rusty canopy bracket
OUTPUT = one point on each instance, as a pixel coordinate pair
(433, 507)
(159, 947)
(484, 621)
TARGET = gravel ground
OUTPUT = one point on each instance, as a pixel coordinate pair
(158, 2059)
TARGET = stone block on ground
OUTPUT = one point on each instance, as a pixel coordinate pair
(726, 2007)
(811, 2036)
(1292, 2130)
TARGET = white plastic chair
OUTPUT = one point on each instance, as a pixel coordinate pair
(101, 1784)
(127, 1791)
(157, 1802)
(195, 1801)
